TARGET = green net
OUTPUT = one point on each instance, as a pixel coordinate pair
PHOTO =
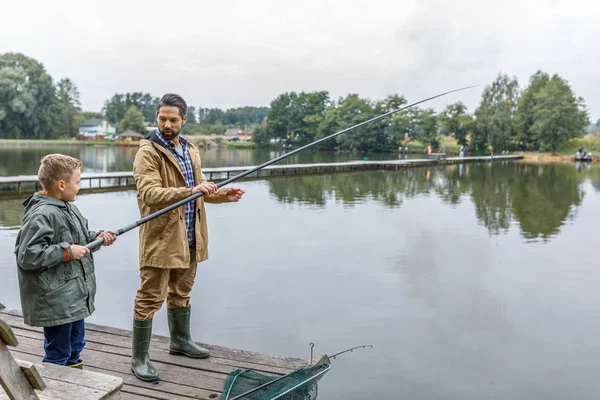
(300, 384)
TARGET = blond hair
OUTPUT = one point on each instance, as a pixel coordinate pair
(56, 167)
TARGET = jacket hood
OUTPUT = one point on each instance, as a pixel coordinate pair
(38, 199)
(153, 137)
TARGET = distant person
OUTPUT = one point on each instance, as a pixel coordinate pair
(57, 283)
(167, 169)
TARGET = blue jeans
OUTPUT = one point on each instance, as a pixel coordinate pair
(63, 343)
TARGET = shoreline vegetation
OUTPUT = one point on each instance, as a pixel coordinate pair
(567, 150)
(543, 114)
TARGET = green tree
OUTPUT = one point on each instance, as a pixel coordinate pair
(29, 107)
(306, 113)
(211, 116)
(388, 131)
(68, 107)
(428, 134)
(557, 115)
(494, 118)
(192, 116)
(353, 110)
(279, 116)
(133, 120)
(524, 118)
(114, 109)
(419, 124)
(456, 122)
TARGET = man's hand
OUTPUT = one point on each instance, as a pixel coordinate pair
(108, 236)
(234, 194)
(205, 187)
(79, 251)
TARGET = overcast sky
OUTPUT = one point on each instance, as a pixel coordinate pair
(236, 53)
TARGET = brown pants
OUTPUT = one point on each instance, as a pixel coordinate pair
(158, 284)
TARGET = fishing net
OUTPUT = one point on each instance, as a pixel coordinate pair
(300, 384)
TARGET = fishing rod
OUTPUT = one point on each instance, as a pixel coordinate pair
(142, 221)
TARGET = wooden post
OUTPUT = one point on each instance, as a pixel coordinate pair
(16, 384)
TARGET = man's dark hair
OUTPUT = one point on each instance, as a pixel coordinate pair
(173, 100)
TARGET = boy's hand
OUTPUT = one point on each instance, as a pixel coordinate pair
(79, 251)
(108, 236)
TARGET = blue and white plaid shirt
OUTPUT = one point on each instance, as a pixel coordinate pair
(188, 174)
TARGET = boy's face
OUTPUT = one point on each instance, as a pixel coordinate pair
(69, 188)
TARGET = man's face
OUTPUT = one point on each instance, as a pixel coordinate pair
(169, 122)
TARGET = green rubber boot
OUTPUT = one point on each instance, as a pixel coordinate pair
(140, 360)
(179, 327)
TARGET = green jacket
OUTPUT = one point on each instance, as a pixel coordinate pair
(54, 291)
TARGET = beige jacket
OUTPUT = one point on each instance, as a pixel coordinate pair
(160, 183)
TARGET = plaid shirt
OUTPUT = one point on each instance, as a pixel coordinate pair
(188, 174)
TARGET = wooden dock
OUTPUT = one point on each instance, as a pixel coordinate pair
(124, 180)
(108, 351)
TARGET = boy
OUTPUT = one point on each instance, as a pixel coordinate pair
(56, 272)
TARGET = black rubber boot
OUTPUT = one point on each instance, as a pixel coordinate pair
(140, 360)
(179, 328)
(78, 364)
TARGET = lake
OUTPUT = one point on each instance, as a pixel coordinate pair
(24, 159)
(475, 281)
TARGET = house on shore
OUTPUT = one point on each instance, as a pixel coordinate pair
(96, 129)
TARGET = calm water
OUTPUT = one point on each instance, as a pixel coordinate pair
(471, 282)
(25, 159)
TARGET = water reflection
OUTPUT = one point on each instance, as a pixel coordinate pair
(24, 159)
(539, 197)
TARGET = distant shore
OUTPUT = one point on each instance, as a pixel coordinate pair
(548, 157)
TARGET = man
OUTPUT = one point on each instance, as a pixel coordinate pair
(166, 170)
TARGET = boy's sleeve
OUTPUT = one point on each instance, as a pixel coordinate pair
(35, 250)
(92, 235)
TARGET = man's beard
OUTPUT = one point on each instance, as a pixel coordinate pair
(171, 135)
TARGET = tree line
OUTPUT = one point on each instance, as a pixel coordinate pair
(540, 116)
(543, 115)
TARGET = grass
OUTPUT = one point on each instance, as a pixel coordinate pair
(239, 145)
(57, 141)
(590, 144)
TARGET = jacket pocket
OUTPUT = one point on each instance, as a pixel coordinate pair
(159, 227)
(65, 299)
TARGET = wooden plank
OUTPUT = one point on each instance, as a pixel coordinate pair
(108, 351)
(93, 380)
(32, 374)
(63, 390)
(159, 352)
(14, 383)
(6, 334)
(164, 390)
(161, 342)
(186, 379)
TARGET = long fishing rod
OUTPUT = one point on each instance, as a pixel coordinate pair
(142, 221)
